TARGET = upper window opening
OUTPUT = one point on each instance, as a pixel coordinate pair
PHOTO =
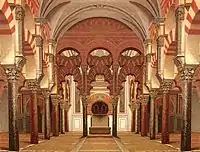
(69, 53)
(130, 53)
(100, 53)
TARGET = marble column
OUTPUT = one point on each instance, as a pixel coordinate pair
(137, 116)
(12, 75)
(47, 126)
(85, 125)
(186, 75)
(62, 117)
(166, 86)
(133, 117)
(33, 86)
(55, 115)
(67, 106)
(144, 126)
(153, 94)
(114, 123)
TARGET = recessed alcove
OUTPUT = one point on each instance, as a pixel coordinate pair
(99, 119)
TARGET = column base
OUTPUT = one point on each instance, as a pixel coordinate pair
(165, 140)
(34, 141)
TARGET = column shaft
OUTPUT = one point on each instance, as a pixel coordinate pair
(62, 119)
(152, 118)
(133, 121)
(85, 131)
(47, 118)
(66, 121)
(55, 120)
(34, 118)
(114, 124)
(186, 125)
(12, 111)
(144, 120)
(165, 119)
(137, 121)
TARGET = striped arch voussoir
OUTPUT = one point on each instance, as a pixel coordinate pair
(193, 10)
(29, 43)
(166, 5)
(170, 43)
(6, 10)
(33, 5)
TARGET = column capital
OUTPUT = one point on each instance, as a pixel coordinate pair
(38, 41)
(62, 105)
(114, 99)
(52, 42)
(153, 93)
(67, 106)
(159, 20)
(145, 99)
(45, 92)
(147, 41)
(137, 104)
(187, 72)
(40, 20)
(32, 84)
(84, 68)
(115, 68)
(84, 99)
(167, 85)
(54, 99)
(180, 12)
(19, 13)
(12, 72)
(160, 41)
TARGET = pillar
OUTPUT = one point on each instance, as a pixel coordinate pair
(33, 86)
(144, 126)
(47, 126)
(137, 116)
(180, 27)
(39, 47)
(67, 105)
(12, 75)
(156, 119)
(62, 117)
(186, 76)
(133, 118)
(85, 103)
(114, 122)
(166, 86)
(55, 115)
(153, 94)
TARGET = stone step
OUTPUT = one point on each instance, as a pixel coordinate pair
(99, 135)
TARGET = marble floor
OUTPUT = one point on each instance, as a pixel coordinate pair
(73, 142)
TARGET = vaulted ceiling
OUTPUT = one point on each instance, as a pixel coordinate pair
(136, 14)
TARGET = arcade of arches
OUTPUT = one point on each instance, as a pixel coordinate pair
(99, 67)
